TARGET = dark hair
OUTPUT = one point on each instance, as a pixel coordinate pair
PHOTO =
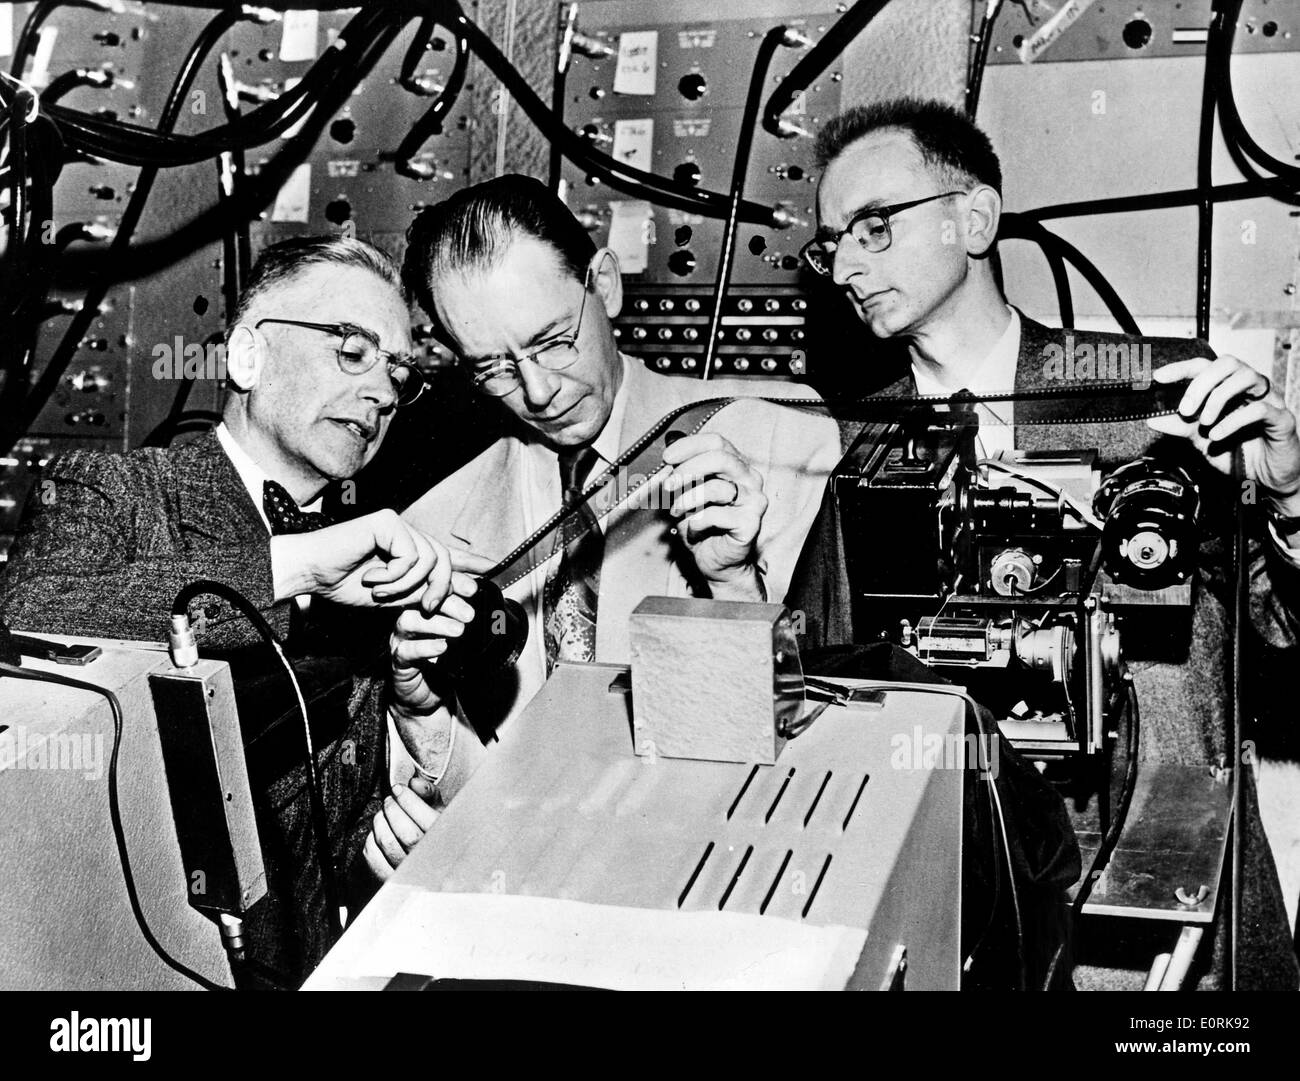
(948, 140)
(471, 229)
(279, 262)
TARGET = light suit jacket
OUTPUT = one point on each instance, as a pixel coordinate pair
(483, 508)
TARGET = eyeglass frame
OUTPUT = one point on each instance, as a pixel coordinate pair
(497, 359)
(884, 213)
(343, 331)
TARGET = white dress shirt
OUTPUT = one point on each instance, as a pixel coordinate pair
(996, 374)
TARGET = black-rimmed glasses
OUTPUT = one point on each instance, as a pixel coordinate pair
(869, 227)
(358, 352)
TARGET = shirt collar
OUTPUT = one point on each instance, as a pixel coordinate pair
(995, 374)
(252, 474)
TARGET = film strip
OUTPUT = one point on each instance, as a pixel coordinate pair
(1098, 403)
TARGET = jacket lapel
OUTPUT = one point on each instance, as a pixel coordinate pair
(212, 500)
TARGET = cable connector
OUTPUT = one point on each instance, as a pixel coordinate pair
(794, 39)
(232, 935)
(783, 217)
(258, 15)
(181, 643)
(594, 48)
(786, 128)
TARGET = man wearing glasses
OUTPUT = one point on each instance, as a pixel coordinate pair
(908, 208)
(317, 365)
(515, 285)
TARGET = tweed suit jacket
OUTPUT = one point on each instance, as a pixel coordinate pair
(106, 543)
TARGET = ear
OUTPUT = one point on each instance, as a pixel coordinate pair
(245, 356)
(982, 220)
(608, 280)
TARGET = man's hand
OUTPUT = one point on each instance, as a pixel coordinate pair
(375, 560)
(404, 818)
(419, 638)
(719, 499)
(1262, 424)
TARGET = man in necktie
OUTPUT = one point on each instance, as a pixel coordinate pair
(317, 359)
(521, 293)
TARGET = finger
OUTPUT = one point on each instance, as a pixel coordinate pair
(1239, 419)
(717, 463)
(439, 579)
(1172, 424)
(1180, 369)
(423, 787)
(405, 828)
(691, 445)
(463, 585)
(456, 608)
(416, 807)
(394, 540)
(733, 521)
(1201, 385)
(415, 575)
(376, 860)
(715, 492)
(388, 843)
(1237, 383)
(407, 653)
(470, 562)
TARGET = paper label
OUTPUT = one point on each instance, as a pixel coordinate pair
(638, 56)
(634, 142)
(298, 38)
(6, 29)
(631, 232)
(1042, 39)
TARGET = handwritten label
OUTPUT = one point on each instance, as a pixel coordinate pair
(1043, 38)
(638, 55)
(634, 142)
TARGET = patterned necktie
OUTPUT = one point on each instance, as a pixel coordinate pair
(569, 598)
(285, 516)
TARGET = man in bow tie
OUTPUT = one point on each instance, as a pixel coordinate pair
(317, 364)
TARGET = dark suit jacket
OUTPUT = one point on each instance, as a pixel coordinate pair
(108, 541)
(1185, 699)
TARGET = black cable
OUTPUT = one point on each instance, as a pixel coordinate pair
(618, 175)
(431, 123)
(1018, 226)
(406, 77)
(115, 817)
(324, 854)
(1205, 182)
(817, 60)
(81, 321)
(772, 41)
(984, 38)
(1227, 13)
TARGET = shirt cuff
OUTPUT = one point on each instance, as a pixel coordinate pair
(434, 771)
(1291, 555)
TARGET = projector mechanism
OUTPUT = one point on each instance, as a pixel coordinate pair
(1018, 577)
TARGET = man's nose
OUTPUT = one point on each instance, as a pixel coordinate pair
(377, 386)
(539, 385)
(850, 259)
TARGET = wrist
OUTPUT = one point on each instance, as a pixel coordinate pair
(744, 583)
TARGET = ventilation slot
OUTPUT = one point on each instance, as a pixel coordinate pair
(681, 900)
(762, 909)
(781, 792)
(818, 884)
(749, 851)
(817, 799)
(741, 794)
(865, 778)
